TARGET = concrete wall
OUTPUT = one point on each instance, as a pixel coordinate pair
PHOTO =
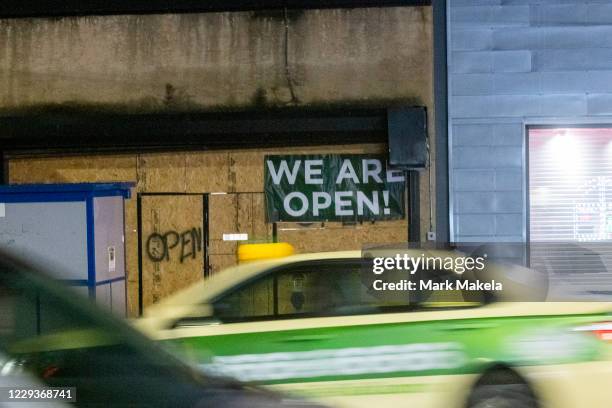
(150, 62)
(512, 63)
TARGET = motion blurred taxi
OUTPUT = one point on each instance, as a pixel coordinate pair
(314, 326)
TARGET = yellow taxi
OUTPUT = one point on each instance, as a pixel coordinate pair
(313, 325)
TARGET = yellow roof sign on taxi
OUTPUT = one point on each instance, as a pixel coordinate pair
(255, 252)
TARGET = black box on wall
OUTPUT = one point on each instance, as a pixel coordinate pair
(407, 134)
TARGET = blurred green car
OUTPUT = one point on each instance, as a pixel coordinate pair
(50, 336)
(311, 325)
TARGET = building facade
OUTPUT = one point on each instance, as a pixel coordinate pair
(190, 197)
(530, 105)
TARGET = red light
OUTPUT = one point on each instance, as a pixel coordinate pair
(49, 371)
(602, 330)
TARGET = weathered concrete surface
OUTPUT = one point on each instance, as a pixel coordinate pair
(197, 61)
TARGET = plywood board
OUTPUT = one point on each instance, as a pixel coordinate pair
(72, 169)
(131, 255)
(220, 262)
(172, 245)
(235, 213)
(223, 215)
(161, 172)
(324, 237)
(252, 218)
(207, 171)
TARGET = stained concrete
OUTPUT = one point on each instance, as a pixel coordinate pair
(194, 61)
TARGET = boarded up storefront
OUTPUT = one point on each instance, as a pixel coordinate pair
(173, 235)
(218, 65)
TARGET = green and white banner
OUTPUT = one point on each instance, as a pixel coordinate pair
(332, 188)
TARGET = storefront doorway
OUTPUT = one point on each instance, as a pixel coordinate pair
(172, 247)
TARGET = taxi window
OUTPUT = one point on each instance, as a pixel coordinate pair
(309, 289)
(442, 291)
(335, 287)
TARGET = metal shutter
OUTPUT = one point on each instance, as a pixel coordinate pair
(570, 199)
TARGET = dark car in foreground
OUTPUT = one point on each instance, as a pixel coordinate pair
(54, 336)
